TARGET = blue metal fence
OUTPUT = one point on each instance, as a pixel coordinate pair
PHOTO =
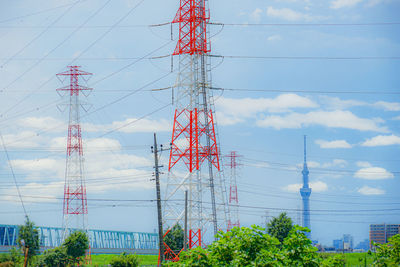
(99, 239)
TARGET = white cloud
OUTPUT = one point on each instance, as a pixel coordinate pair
(317, 186)
(382, 140)
(311, 164)
(131, 125)
(273, 38)
(331, 119)
(35, 192)
(35, 165)
(388, 106)
(24, 139)
(333, 144)
(233, 110)
(102, 143)
(373, 3)
(226, 120)
(396, 118)
(43, 123)
(335, 163)
(369, 172)
(337, 103)
(290, 14)
(363, 164)
(256, 14)
(366, 190)
(336, 4)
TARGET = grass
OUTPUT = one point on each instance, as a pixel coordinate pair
(352, 259)
(105, 259)
(355, 259)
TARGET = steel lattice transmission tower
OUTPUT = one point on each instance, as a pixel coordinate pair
(305, 192)
(233, 192)
(194, 162)
(75, 202)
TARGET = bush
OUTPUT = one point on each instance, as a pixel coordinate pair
(125, 260)
(252, 247)
(71, 251)
(7, 264)
(54, 257)
(13, 258)
(76, 245)
(388, 254)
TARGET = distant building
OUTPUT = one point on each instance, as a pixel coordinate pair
(338, 244)
(363, 245)
(380, 233)
(348, 242)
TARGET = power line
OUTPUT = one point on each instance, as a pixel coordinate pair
(38, 12)
(290, 167)
(216, 24)
(15, 179)
(308, 91)
(39, 35)
(180, 201)
(100, 108)
(307, 24)
(130, 64)
(308, 57)
(48, 53)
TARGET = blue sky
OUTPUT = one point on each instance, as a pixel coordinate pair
(313, 81)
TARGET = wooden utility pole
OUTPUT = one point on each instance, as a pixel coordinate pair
(155, 150)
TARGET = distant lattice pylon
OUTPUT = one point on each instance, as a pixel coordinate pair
(75, 201)
(233, 163)
(194, 161)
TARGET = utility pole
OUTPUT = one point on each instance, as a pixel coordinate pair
(155, 151)
(186, 222)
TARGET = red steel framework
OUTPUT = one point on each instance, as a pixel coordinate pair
(193, 120)
(233, 192)
(75, 200)
(192, 17)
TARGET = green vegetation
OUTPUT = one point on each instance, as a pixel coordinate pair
(239, 247)
(253, 247)
(28, 240)
(174, 238)
(280, 227)
(388, 254)
(13, 258)
(125, 260)
(72, 251)
(105, 259)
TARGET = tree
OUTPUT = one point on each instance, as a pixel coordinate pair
(76, 245)
(125, 260)
(54, 257)
(28, 239)
(72, 250)
(388, 254)
(280, 226)
(174, 239)
(299, 250)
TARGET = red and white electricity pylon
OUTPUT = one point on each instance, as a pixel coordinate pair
(75, 202)
(194, 161)
(233, 192)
